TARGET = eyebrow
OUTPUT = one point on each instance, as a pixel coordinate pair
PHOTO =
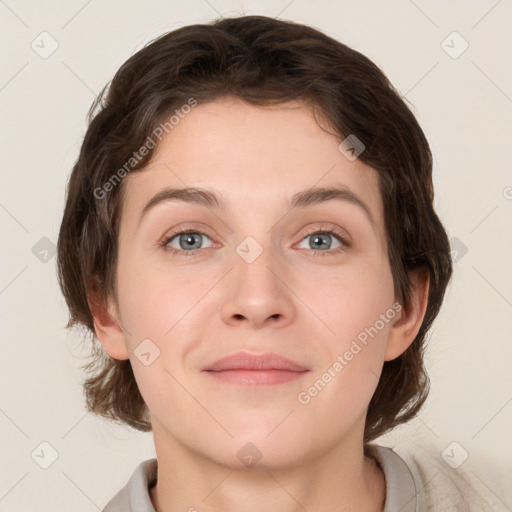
(302, 199)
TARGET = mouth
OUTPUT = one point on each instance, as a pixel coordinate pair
(256, 377)
(248, 369)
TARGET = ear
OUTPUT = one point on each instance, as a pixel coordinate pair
(106, 326)
(407, 323)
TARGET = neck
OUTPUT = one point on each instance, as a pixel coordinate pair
(340, 480)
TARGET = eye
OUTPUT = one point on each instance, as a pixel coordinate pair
(187, 240)
(322, 239)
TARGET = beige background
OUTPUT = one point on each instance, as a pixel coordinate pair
(464, 105)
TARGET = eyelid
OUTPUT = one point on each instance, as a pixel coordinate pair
(183, 230)
(332, 229)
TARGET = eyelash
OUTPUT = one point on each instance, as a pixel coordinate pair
(329, 231)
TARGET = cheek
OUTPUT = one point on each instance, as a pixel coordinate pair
(356, 307)
(154, 296)
(143, 304)
(348, 298)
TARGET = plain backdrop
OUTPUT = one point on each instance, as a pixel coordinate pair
(462, 98)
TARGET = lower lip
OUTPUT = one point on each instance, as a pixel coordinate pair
(256, 377)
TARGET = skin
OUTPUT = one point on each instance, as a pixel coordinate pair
(308, 307)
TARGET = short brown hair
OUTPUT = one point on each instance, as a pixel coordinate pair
(262, 61)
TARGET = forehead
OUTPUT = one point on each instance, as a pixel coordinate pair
(255, 158)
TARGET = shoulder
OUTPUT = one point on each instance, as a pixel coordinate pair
(449, 479)
(134, 496)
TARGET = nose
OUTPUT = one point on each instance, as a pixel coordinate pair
(258, 292)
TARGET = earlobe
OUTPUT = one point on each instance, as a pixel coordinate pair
(106, 326)
(408, 323)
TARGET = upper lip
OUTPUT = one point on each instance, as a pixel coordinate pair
(247, 361)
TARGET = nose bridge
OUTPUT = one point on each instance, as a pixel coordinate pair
(257, 265)
(257, 289)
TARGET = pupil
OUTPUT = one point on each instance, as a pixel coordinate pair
(320, 239)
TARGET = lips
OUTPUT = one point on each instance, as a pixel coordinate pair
(261, 362)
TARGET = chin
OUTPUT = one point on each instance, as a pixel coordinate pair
(258, 451)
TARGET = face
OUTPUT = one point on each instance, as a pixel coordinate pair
(259, 273)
